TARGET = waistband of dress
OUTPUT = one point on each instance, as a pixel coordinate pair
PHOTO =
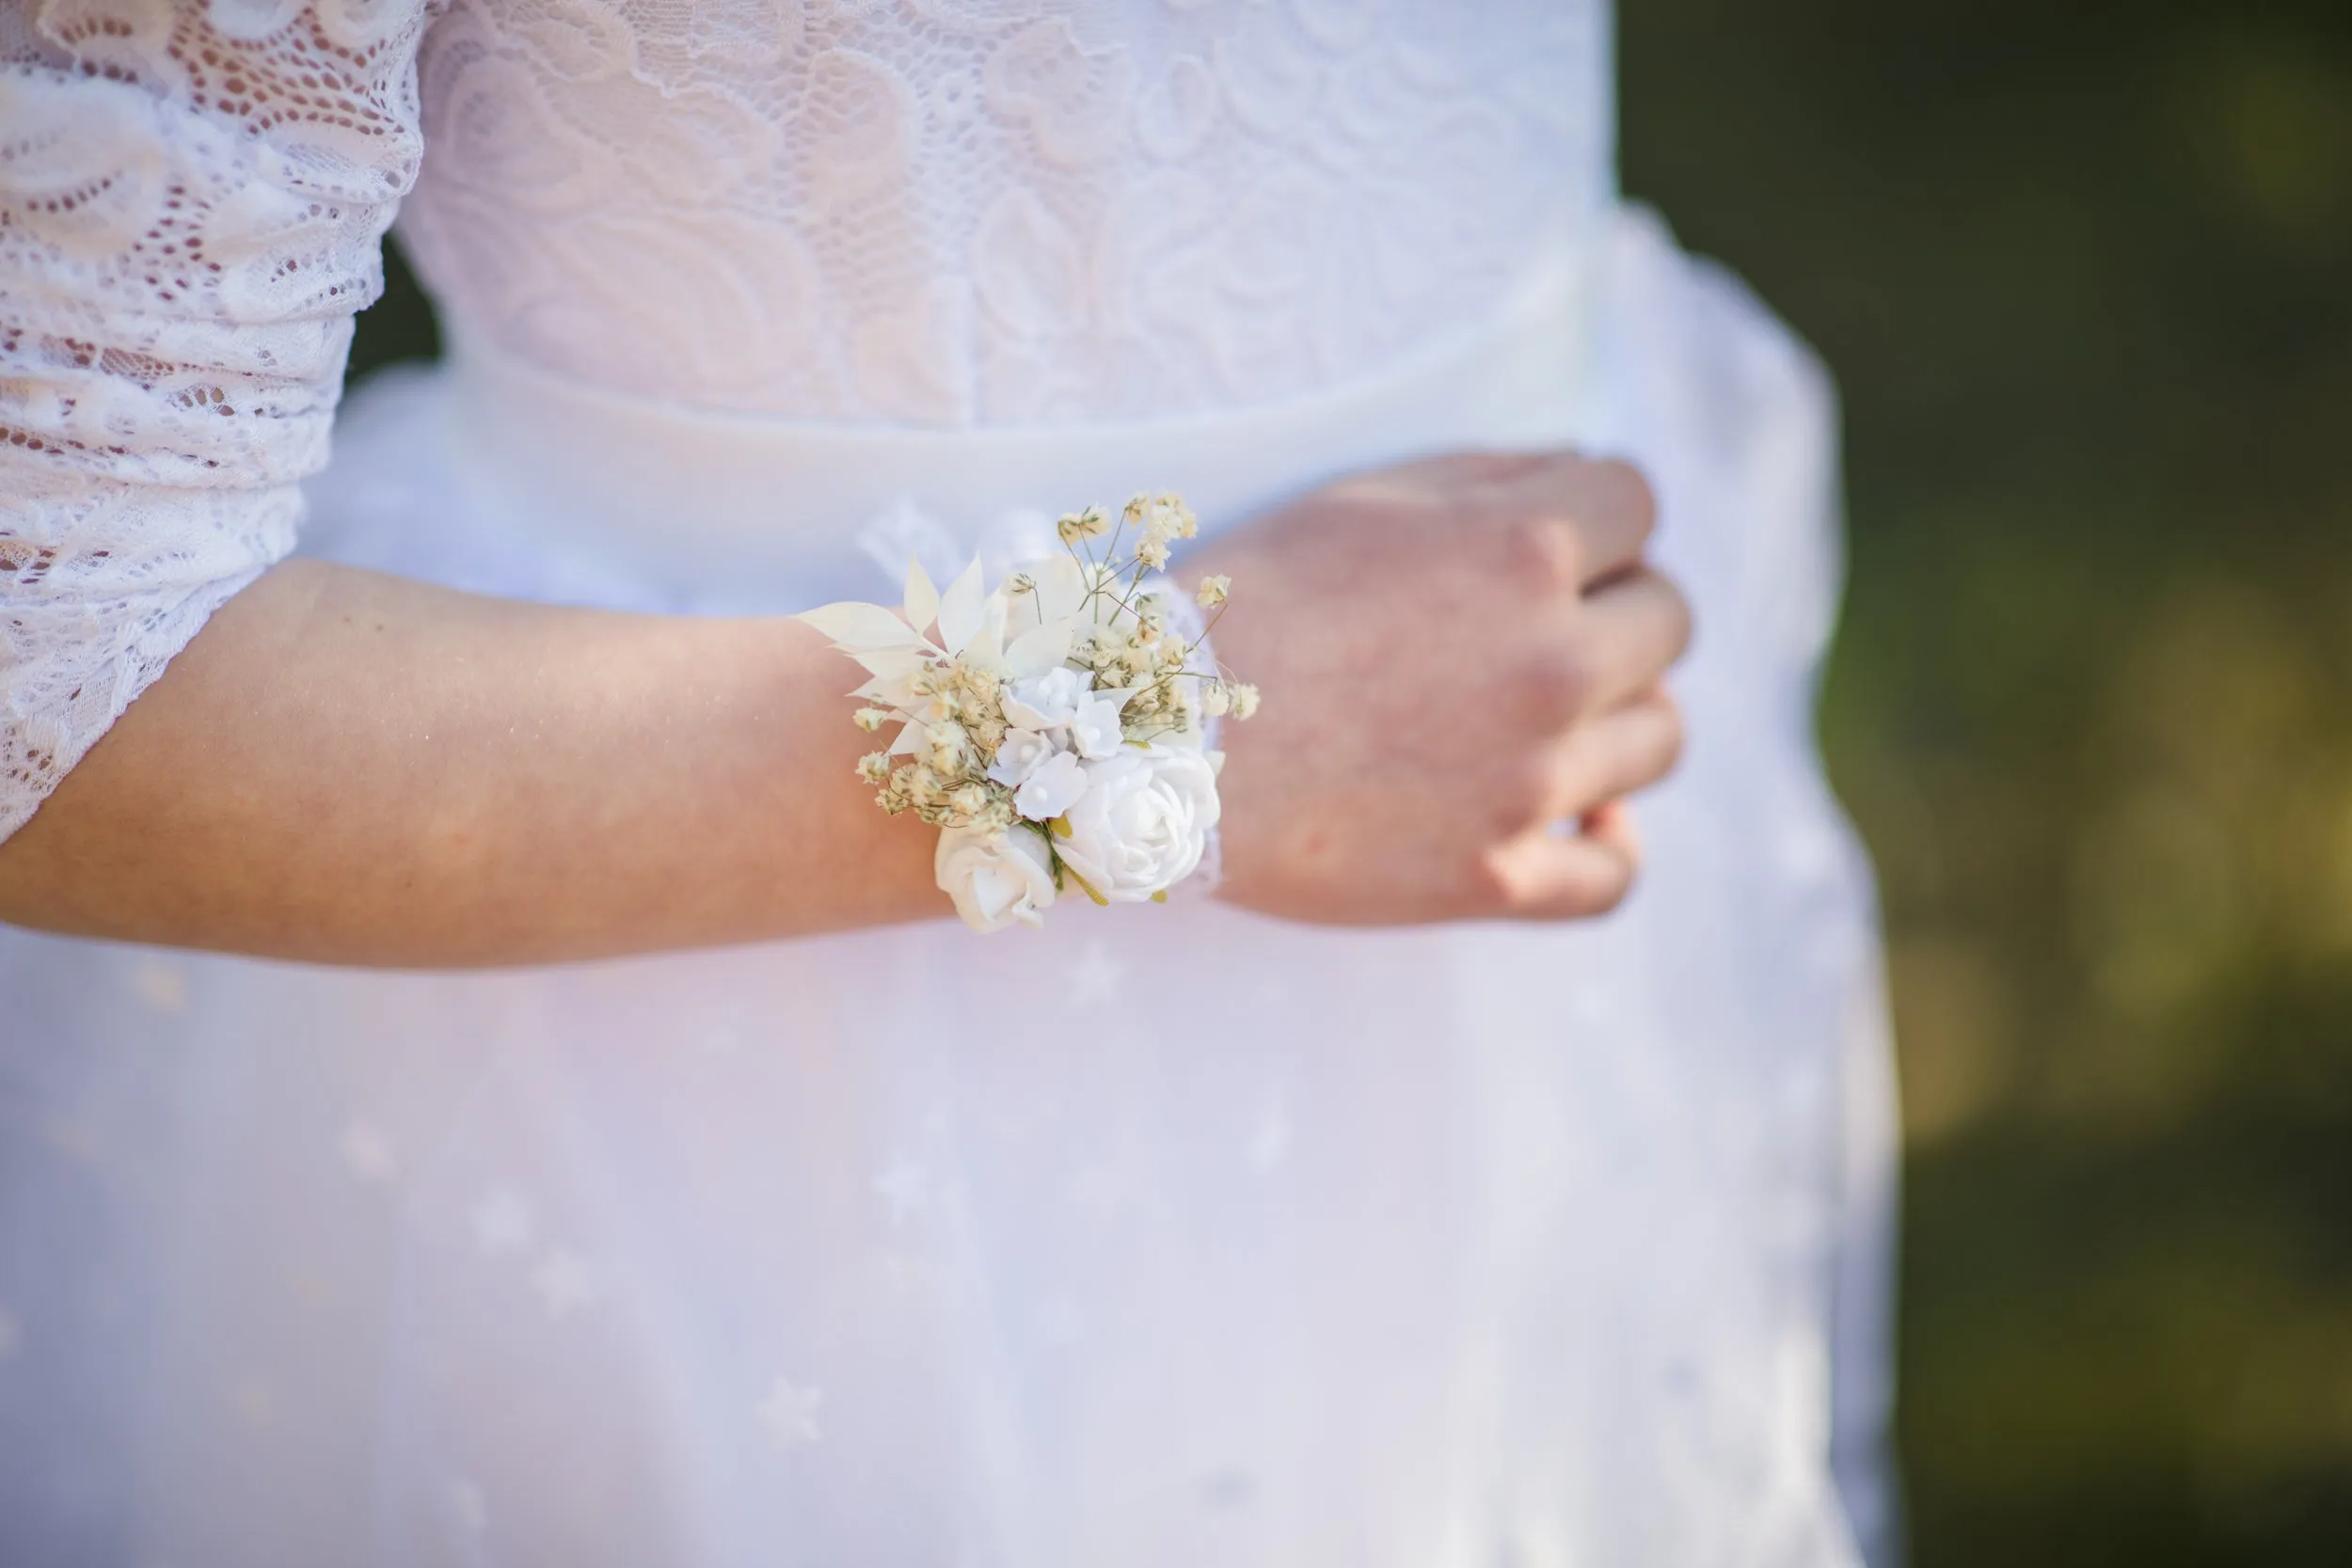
(694, 505)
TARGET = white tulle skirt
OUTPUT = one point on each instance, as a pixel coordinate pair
(1158, 1239)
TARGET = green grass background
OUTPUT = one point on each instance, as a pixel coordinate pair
(2085, 274)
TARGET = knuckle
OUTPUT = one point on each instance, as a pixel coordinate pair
(1493, 882)
(1685, 624)
(1605, 895)
(1519, 798)
(1626, 488)
(1500, 467)
(1546, 552)
(1667, 756)
(1676, 740)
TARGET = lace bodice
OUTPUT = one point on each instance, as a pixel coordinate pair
(942, 212)
(993, 211)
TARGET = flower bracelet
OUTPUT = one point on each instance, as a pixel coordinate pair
(1056, 731)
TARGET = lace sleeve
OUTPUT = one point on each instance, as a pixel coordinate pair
(193, 197)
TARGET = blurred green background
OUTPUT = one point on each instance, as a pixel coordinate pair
(2085, 274)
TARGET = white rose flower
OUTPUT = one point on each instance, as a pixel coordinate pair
(1020, 753)
(1142, 824)
(994, 876)
(1053, 788)
(1094, 727)
(1045, 702)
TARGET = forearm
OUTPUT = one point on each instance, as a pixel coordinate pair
(350, 768)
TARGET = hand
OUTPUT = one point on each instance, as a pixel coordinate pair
(1460, 661)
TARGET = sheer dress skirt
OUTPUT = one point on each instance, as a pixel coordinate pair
(1170, 1236)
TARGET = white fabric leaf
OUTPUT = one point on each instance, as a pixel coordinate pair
(922, 602)
(1037, 650)
(960, 608)
(894, 664)
(987, 648)
(855, 626)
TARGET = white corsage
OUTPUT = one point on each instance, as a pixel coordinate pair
(1056, 730)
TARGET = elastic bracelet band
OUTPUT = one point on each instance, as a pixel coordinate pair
(1192, 625)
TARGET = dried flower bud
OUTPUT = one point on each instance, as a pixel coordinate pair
(1089, 524)
(951, 748)
(874, 767)
(871, 718)
(1168, 516)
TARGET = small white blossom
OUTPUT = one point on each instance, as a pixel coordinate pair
(1094, 729)
(1214, 699)
(871, 718)
(1053, 789)
(1045, 702)
(1245, 701)
(1212, 591)
(1020, 753)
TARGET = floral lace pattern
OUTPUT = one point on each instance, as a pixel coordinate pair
(994, 211)
(938, 212)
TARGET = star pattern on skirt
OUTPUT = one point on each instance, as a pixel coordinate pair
(789, 1412)
(904, 1186)
(501, 1223)
(1095, 978)
(563, 1283)
(162, 985)
(367, 1152)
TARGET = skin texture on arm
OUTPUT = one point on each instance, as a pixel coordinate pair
(350, 768)
(1460, 658)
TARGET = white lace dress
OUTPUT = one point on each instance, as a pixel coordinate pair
(1453, 1248)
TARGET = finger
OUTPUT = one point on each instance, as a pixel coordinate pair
(1548, 877)
(1602, 512)
(1613, 755)
(1635, 630)
(1450, 473)
(1475, 467)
